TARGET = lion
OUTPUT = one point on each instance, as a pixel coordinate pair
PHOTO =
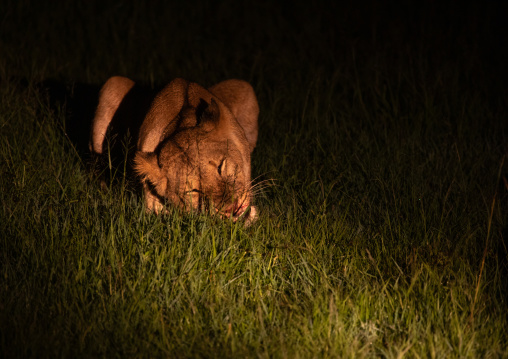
(194, 145)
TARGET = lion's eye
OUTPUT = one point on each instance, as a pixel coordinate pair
(221, 167)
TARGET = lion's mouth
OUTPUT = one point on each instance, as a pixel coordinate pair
(237, 210)
(234, 209)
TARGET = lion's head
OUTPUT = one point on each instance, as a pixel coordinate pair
(194, 147)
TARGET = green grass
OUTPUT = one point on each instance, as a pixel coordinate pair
(383, 220)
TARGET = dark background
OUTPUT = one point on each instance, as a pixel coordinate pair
(71, 48)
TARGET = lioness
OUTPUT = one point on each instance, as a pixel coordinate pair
(193, 146)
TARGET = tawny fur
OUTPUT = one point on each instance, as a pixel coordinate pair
(110, 98)
(193, 146)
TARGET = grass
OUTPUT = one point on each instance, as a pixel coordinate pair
(383, 231)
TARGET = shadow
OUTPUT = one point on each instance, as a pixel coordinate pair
(79, 102)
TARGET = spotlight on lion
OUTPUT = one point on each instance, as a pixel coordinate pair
(193, 146)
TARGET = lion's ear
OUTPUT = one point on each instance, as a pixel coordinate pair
(161, 116)
(147, 167)
(111, 96)
(240, 98)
